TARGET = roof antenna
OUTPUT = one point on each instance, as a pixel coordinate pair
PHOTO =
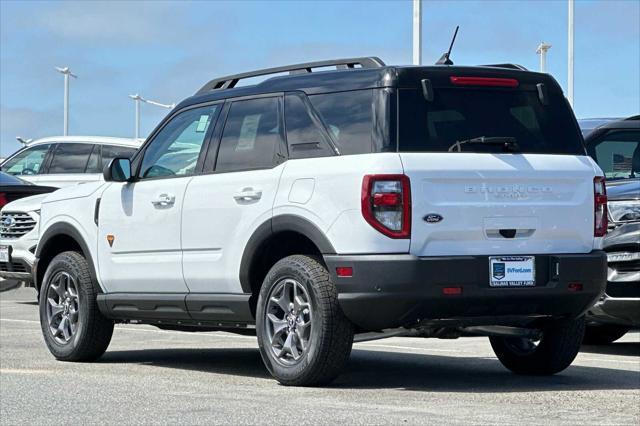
(444, 59)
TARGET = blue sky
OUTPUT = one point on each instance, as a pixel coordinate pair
(166, 50)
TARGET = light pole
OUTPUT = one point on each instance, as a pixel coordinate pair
(417, 32)
(542, 51)
(137, 99)
(570, 52)
(66, 72)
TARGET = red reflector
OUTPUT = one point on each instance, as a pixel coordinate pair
(387, 199)
(344, 271)
(451, 291)
(575, 287)
(484, 81)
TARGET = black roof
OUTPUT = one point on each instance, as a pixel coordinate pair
(632, 122)
(372, 73)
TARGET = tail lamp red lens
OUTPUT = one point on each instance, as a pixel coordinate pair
(484, 81)
(344, 271)
(3, 200)
(451, 291)
(386, 204)
(600, 218)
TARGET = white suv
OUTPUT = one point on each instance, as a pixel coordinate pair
(55, 162)
(311, 208)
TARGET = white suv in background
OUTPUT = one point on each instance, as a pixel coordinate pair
(57, 162)
(316, 207)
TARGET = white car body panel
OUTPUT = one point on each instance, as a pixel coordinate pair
(146, 253)
(216, 225)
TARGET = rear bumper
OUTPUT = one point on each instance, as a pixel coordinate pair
(387, 291)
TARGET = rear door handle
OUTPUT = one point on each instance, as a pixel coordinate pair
(248, 194)
(164, 200)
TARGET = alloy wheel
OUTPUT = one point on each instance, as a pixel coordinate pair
(62, 307)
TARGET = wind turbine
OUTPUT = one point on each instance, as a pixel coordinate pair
(66, 72)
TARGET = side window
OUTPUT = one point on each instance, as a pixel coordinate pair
(251, 136)
(618, 154)
(70, 158)
(93, 165)
(305, 138)
(175, 149)
(26, 162)
(109, 152)
(349, 118)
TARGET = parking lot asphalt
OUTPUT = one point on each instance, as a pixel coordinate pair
(150, 376)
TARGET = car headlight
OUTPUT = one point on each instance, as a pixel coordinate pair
(624, 211)
(37, 212)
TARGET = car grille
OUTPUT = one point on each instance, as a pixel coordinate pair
(22, 224)
(12, 267)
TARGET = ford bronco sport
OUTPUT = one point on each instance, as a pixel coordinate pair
(367, 200)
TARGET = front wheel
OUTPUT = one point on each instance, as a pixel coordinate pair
(72, 326)
(304, 337)
(553, 352)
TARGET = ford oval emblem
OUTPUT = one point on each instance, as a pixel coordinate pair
(432, 218)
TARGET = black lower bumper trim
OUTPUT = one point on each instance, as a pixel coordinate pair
(388, 291)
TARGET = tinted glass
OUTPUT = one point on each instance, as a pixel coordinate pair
(618, 154)
(251, 135)
(349, 118)
(109, 152)
(175, 149)
(93, 165)
(27, 161)
(305, 136)
(461, 114)
(70, 158)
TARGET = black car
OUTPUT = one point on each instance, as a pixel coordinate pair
(615, 146)
(13, 188)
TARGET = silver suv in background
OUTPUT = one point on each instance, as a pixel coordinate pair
(615, 146)
(55, 162)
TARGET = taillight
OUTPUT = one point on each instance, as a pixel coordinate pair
(600, 219)
(484, 81)
(386, 204)
(3, 200)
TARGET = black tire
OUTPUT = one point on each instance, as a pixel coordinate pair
(603, 334)
(331, 334)
(92, 330)
(555, 351)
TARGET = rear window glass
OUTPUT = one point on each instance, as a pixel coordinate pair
(618, 154)
(457, 115)
(348, 116)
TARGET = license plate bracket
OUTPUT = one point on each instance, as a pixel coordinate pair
(5, 254)
(512, 271)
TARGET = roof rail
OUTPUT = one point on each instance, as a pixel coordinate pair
(230, 81)
(511, 66)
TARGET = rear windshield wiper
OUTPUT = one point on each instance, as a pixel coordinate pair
(508, 143)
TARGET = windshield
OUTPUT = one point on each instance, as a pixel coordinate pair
(457, 115)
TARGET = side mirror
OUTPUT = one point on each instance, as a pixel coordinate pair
(118, 170)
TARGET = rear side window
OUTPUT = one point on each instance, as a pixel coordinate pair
(618, 154)
(251, 136)
(70, 158)
(26, 162)
(109, 152)
(305, 135)
(457, 114)
(349, 118)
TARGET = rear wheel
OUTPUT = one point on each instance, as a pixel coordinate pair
(553, 352)
(72, 326)
(304, 337)
(603, 334)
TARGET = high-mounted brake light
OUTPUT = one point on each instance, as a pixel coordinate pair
(484, 81)
(386, 204)
(600, 219)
